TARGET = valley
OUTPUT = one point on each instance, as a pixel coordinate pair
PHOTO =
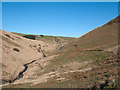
(39, 61)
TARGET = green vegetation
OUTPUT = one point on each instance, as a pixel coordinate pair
(30, 37)
(48, 38)
(111, 86)
(26, 85)
(75, 56)
(44, 37)
(88, 48)
(20, 34)
(74, 80)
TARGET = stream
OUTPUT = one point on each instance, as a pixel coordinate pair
(20, 75)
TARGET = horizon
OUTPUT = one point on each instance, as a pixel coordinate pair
(66, 19)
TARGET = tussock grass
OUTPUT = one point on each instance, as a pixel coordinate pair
(81, 56)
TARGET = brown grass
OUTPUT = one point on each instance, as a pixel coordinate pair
(9, 41)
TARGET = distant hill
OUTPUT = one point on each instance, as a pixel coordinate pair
(46, 38)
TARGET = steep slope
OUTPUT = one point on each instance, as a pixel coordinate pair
(82, 63)
(58, 40)
(102, 37)
(85, 62)
(17, 51)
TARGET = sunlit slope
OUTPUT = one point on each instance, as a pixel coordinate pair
(102, 37)
(81, 63)
(57, 39)
(84, 63)
(17, 51)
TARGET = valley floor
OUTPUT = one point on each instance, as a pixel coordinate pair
(83, 69)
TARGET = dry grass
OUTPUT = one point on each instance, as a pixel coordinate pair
(9, 41)
(75, 56)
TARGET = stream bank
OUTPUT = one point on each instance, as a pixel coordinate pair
(20, 75)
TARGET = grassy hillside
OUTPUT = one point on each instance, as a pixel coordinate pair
(86, 52)
(58, 39)
(83, 63)
(102, 37)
